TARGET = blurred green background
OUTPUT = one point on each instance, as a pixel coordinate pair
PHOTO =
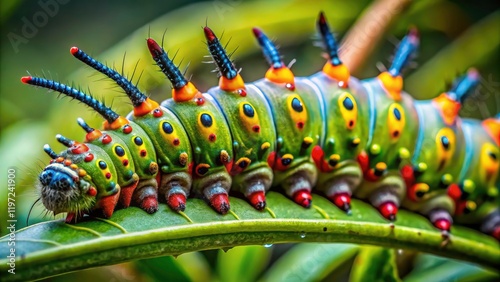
(37, 35)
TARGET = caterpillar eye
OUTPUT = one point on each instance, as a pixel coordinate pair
(445, 146)
(167, 127)
(297, 105)
(445, 142)
(102, 165)
(348, 109)
(396, 121)
(297, 111)
(138, 141)
(119, 151)
(206, 120)
(248, 110)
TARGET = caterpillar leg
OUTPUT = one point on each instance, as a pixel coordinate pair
(491, 224)
(340, 192)
(145, 195)
(174, 188)
(385, 195)
(299, 182)
(106, 204)
(215, 188)
(441, 219)
(254, 185)
(127, 192)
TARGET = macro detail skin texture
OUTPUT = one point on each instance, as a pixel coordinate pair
(329, 132)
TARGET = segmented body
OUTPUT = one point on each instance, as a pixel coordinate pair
(330, 132)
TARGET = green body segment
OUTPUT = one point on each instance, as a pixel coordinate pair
(390, 143)
(100, 171)
(346, 117)
(141, 150)
(120, 156)
(169, 139)
(299, 123)
(436, 162)
(253, 133)
(392, 126)
(478, 178)
(211, 143)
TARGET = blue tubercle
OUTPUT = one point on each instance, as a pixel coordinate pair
(268, 49)
(166, 65)
(328, 40)
(405, 52)
(219, 55)
(136, 96)
(464, 86)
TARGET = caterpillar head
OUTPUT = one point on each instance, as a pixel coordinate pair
(78, 181)
(63, 189)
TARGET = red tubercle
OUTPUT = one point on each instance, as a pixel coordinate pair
(209, 34)
(127, 129)
(242, 92)
(300, 125)
(318, 155)
(388, 210)
(303, 198)
(153, 47)
(125, 162)
(257, 32)
(106, 139)
(271, 159)
(257, 200)
(454, 191)
(364, 161)
(108, 175)
(220, 202)
(200, 100)
(290, 86)
(88, 158)
(79, 148)
(177, 202)
(176, 142)
(74, 50)
(342, 201)
(442, 224)
(256, 128)
(212, 137)
(496, 233)
(26, 79)
(322, 18)
(143, 153)
(92, 192)
(157, 113)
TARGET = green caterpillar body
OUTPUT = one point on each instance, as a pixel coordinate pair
(347, 138)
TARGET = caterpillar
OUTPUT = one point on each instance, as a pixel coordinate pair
(330, 132)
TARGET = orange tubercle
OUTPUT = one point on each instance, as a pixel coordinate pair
(492, 126)
(392, 84)
(145, 108)
(231, 84)
(339, 72)
(118, 123)
(94, 135)
(448, 108)
(281, 75)
(185, 93)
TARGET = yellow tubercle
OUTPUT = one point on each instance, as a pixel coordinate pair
(118, 123)
(231, 84)
(339, 72)
(392, 84)
(281, 75)
(185, 93)
(448, 107)
(145, 107)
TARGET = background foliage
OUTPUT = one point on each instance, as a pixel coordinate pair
(455, 35)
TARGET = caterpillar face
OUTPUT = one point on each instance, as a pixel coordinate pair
(63, 190)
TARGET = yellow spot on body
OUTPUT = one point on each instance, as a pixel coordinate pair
(308, 140)
(265, 146)
(469, 186)
(183, 158)
(447, 179)
(471, 205)
(422, 187)
(375, 149)
(381, 166)
(404, 154)
(492, 192)
(422, 167)
(335, 157)
(288, 156)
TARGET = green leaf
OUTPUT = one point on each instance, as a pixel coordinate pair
(434, 268)
(375, 264)
(54, 247)
(310, 262)
(186, 267)
(242, 263)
